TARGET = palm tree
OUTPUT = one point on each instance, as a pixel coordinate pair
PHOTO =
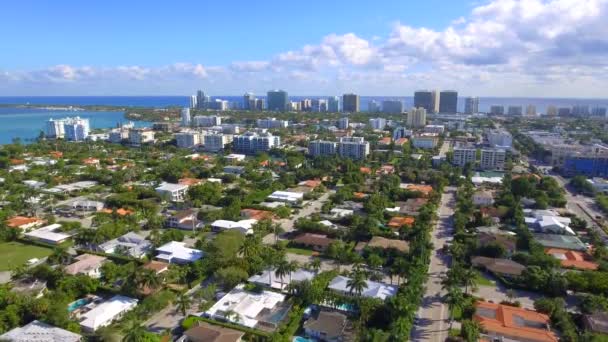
(250, 246)
(356, 284)
(455, 300)
(293, 266)
(148, 279)
(183, 303)
(315, 265)
(134, 332)
(469, 276)
(283, 269)
(60, 255)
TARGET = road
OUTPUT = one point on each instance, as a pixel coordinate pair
(582, 207)
(432, 316)
(310, 208)
(170, 317)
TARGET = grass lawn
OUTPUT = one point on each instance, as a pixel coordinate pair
(16, 253)
(483, 281)
(301, 251)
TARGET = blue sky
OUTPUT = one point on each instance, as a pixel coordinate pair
(498, 47)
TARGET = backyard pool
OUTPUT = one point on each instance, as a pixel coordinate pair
(301, 339)
(77, 304)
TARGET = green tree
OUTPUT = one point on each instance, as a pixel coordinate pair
(183, 303)
(357, 283)
(134, 331)
(470, 331)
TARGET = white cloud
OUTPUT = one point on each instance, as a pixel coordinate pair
(503, 47)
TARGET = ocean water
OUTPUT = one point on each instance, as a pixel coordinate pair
(26, 123)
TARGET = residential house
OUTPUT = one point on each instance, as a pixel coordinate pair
(39, 332)
(573, 259)
(131, 244)
(174, 252)
(185, 219)
(483, 198)
(318, 242)
(397, 222)
(157, 266)
(49, 234)
(502, 267)
(264, 310)
(494, 236)
(424, 190)
(596, 323)
(510, 323)
(106, 312)
(172, 192)
(244, 226)
(256, 214)
(328, 326)
(560, 241)
(383, 243)
(268, 278)
(24, 223)
(87, 264)
(372, 289)
(29, 286)
(412, 206)
(205, 332)
(287, 197)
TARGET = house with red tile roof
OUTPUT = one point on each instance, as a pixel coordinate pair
(573, 259)
(24, 223)
(425, 190)
(401, 141)
(256, 214)
(90, 161)
(385, 170)
(189, 181)
(396, 222)
(365, 170)
(119, 211)
(506, 322)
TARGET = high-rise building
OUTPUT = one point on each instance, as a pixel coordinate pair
(193, 101)
(306, 105)
(598, 112)
(248, 100)
(392, 106)
(76, 129)
(318, 105)
(333, 104)
(377, 123)
(215, 142)
(402, 132)
(551, 111)
(185, 117)
(353, 147)
(515, 110)
(350, 103)
(322, 148)
(202, 100)
(531, 110)
(471, 105)
(272, 123)
(463, 155)
(499, 138)
(564, 111)
(54, 129)
(252, 143)
(373, 106)
(188, 139)
(140, 136)
(416, 118)
(580, 110)
(277, 100)
(426, 99)
(343, 123)
(206, 121)
(492, 159)
(497, 110)
(448, 102)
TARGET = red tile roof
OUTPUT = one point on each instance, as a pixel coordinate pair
(573, 259)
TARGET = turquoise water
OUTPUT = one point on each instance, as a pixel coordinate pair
(76, 304)
(301, 339)
(26, 123)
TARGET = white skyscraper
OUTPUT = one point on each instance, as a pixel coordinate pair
(193, 101)
(416, 118)
(54, 129)
(186, 117)
(377, 123)
(333, 104)
(353, 147)
(74, 129)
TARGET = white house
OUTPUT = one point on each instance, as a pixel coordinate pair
(48, 234)
(269, 278)
(40, 332)
(106, 312)
(286, 196)
(131, 244)
(244, 226)
(87, 264)
(372, 289)
(234, 157)
(483, 198)
(175, 252)
(246, 308)
(172, 192)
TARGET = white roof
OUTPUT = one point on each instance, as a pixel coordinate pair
(37, 331)
(242, 224)
(372, 290)
(275, 282)
(48, 233)
(178, 250)
(104, 313)
(286, 196)
(236, 156)
(171, 187)
(246, 305)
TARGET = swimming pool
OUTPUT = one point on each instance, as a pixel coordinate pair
(76, 304)
(301, 339)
